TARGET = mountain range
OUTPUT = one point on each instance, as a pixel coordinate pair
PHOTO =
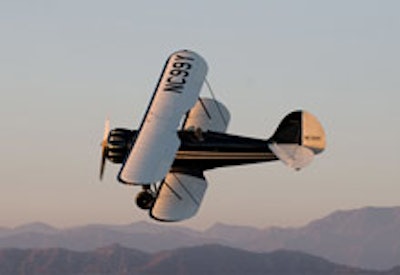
(366, 237)
(207, 259)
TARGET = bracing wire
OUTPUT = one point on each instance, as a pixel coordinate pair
(216, 102)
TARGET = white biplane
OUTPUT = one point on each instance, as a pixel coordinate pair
(183, 135)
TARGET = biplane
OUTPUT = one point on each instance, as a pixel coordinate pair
(183, 135)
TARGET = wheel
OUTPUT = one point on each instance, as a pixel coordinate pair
(145, 199)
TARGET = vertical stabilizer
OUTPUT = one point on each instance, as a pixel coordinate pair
(298, 138)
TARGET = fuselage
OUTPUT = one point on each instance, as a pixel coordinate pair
(208, 150)
(198, 151)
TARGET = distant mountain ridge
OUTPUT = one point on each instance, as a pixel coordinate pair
(208, 259)
(366, 237)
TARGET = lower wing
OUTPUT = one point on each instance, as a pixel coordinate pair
(179, 197)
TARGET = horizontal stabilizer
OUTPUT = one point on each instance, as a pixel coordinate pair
(298, 138)
(179, 197)
(293, 155)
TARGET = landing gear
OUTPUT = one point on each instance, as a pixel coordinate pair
(145, 198)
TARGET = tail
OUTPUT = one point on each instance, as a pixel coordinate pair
(298, 138)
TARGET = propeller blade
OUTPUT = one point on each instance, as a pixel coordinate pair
(106, 129)
(104, 147)
(103, 163)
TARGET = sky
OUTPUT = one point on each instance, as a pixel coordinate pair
(67, 65)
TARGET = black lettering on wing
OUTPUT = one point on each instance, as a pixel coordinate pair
(180, 57)
(174, 87)
(177, 77)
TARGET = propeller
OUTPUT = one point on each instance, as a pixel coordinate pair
(104, 147)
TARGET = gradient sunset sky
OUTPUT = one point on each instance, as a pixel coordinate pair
(67, 65)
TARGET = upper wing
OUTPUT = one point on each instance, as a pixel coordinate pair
(157, 142)
(179, 197)
(208, 115)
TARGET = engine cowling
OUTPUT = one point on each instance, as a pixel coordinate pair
(119, 142)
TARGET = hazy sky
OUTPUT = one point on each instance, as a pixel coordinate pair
(67, 65)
